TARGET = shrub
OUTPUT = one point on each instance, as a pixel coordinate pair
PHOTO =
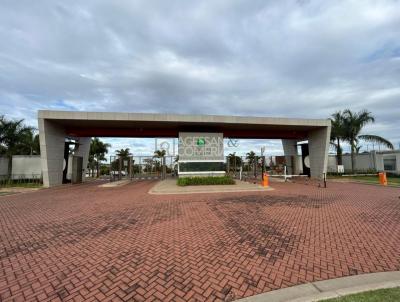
(208, 180)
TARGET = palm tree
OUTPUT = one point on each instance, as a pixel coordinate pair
(353, 123)
(337, 134)
(13, 138)
(123, 153)
(98, 150)
(159, 153)
(234, 161)
(251, 157)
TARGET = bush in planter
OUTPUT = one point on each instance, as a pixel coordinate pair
(208, 180)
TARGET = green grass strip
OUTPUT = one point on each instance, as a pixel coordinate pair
(380, 295)
(205, 181)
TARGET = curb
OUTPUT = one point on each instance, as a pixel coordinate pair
(158, 189)
(327, 289)
(154, 192)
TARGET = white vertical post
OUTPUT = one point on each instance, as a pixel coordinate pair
(285, 172)
(52, 142)
(318, 142)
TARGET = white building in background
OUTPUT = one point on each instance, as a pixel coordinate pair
(374, 161)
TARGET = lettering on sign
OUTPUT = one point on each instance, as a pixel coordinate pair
(233, 143)
(201, 146)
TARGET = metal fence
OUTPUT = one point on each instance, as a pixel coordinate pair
(142, 167)
(244, 168)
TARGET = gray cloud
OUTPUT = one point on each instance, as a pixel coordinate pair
(272, 58)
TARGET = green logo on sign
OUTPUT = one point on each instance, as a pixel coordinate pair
(201, 142)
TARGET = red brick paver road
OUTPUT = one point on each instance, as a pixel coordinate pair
(85, 243)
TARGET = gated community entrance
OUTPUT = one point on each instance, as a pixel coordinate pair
(200, 144)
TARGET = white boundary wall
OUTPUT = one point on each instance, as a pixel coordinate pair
(23, 166)
(366, 162)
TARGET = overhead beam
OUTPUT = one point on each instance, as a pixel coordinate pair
(165, 132)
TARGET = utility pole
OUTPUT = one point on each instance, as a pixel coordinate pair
(262, 162)
(234, 165)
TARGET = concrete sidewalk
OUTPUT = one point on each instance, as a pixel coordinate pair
(328, 289)
(169, 186)
(114, 184)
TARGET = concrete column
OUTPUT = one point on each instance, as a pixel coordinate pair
(290, 151)
(52, 137)
(83, 150)
(318, 144)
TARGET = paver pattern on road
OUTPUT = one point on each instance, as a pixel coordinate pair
(86, 243)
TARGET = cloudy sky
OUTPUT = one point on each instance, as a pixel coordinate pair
(266, 58)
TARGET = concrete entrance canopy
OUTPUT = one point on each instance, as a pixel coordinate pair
(54, 126)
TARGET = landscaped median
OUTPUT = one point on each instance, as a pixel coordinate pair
(204, 181)
(170, 186)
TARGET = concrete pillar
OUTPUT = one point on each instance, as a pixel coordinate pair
(83, 150)
(52, 137)
(318, 144)
(290, 151)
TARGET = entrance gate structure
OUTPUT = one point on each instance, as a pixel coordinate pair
(55, 126)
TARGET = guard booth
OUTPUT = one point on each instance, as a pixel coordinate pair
(77, 169)
(73, 164)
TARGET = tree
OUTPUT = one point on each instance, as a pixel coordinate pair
(251, 160)
(149, 162)
(353, 123)
(337, 134)
(159, 153)
(30, 144)
(123, 153)
(98, 150)
(251, 157)
(14, 136)
(234, 161)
